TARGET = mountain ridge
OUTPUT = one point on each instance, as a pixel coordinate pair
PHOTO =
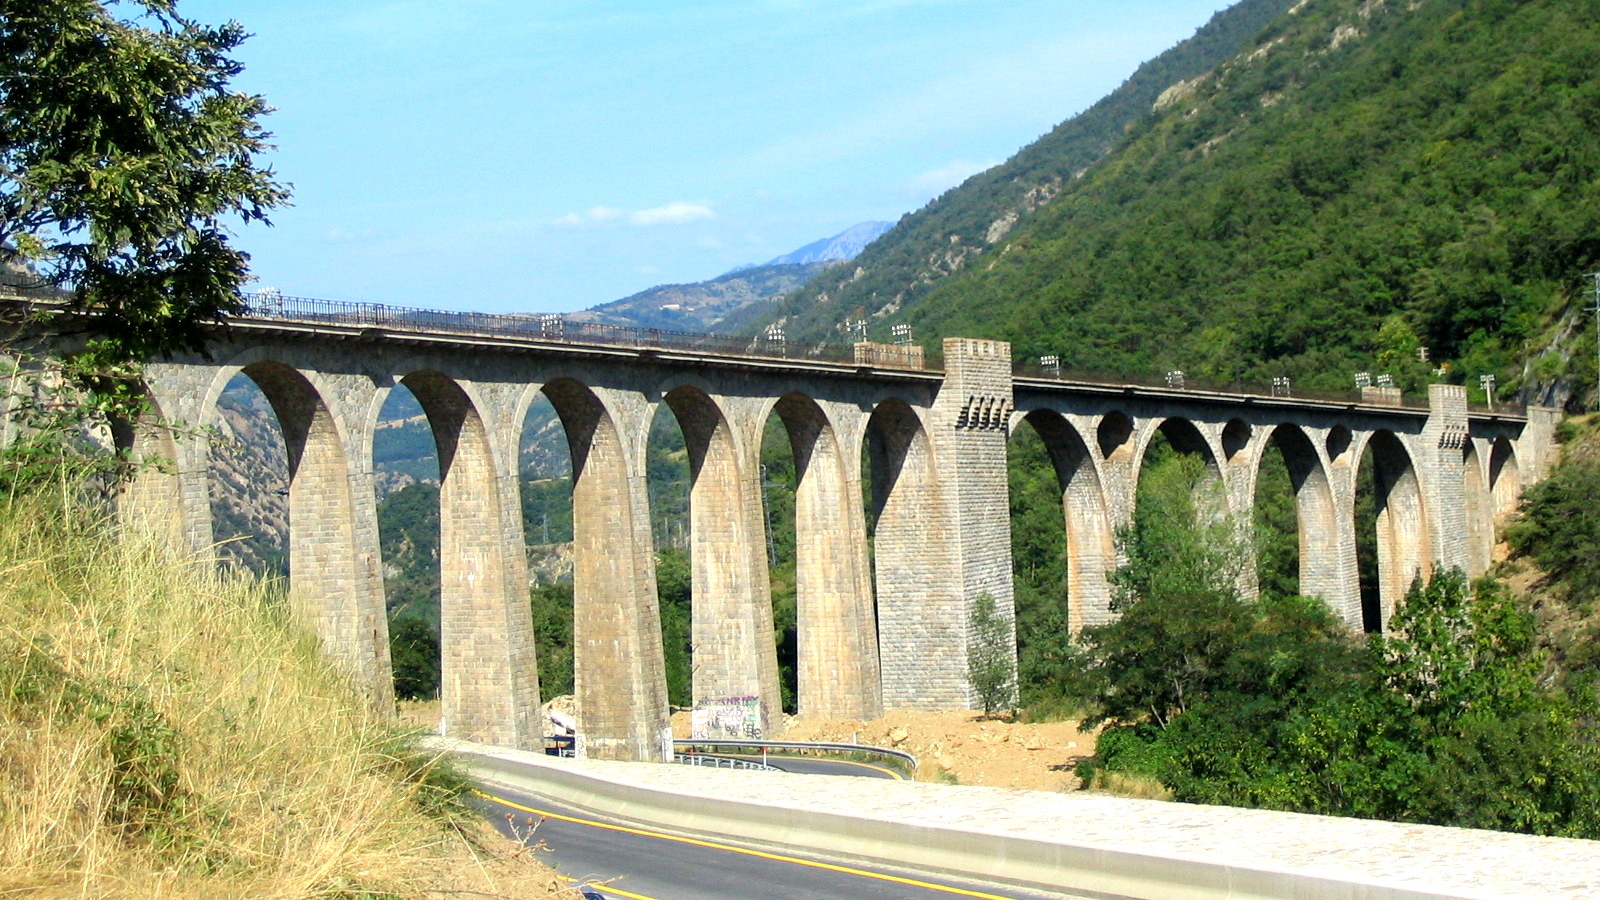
(1362, 182)
(728, 301)
(965, 222)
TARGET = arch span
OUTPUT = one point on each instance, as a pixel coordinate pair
(1091, 551)
(1401, 525)
(1480, 510)
(618, 670)
(332, 580)
(489, 687)
(920, 611)
(1321, 574)
(734, 653)
(1505, 476)
(837, 629)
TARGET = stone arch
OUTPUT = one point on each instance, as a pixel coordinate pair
(1315, 515)
(153, 500)
(489, 687)
(334, 577)
(734, 653)
(1402, 528)
(1479, 510)
(618, 668)
(1505, 476)
(1091, 550)
(921, 617)
(1114, 435)
(1235, 437)
(1185, 437)
(837, 654)
(1338, 446)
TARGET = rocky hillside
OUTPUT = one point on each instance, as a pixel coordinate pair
(249, 482)
(967, 222)
(845, 245)
(732, 300)
(704, 306)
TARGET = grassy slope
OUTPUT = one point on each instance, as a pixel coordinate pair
(167, 732)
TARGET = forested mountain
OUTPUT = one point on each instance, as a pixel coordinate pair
(1422, 169)
(969, 220)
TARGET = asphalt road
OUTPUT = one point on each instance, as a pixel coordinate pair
(620, 860)
(807, 765)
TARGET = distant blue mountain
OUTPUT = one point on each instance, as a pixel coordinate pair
(844, 245)
(730, 300)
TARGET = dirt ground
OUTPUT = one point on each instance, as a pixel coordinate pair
(960, 747)
(964, 748)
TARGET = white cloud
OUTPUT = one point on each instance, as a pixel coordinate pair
(677, 212)
(337, 235)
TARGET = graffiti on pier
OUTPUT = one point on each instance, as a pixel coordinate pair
(741, 718)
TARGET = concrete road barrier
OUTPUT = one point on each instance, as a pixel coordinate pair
(752, 809)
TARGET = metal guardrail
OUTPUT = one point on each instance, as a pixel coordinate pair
(562, 745)
(899, 758)
(722, 762)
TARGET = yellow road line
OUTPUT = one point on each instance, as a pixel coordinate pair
(608, 888)
(760, 854)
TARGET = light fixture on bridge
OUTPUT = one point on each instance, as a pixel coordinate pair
(1363, 380)
(1051, 363)
(1487, 383)
(1280, 386)
(1386, 381)
(902, 334)
(1175, 379)
(552, 324)
(774, 334)
(855, 328)
(268, 302)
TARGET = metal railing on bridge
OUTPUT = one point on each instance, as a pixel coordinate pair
(272, 306)
(554, 327)
(1279, 388)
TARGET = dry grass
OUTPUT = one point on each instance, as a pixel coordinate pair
(165, 731)
(1123, 785)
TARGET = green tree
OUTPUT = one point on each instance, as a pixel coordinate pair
(1560, 530)
(552, 637)
(1039, 572)
(991, 656)
(674, 587)
(124, 157)
(1178, 596)
(414, 653)
(1501, 749)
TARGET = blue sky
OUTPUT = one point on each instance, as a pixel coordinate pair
(545, 157)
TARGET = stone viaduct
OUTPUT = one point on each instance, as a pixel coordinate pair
(882, 624)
